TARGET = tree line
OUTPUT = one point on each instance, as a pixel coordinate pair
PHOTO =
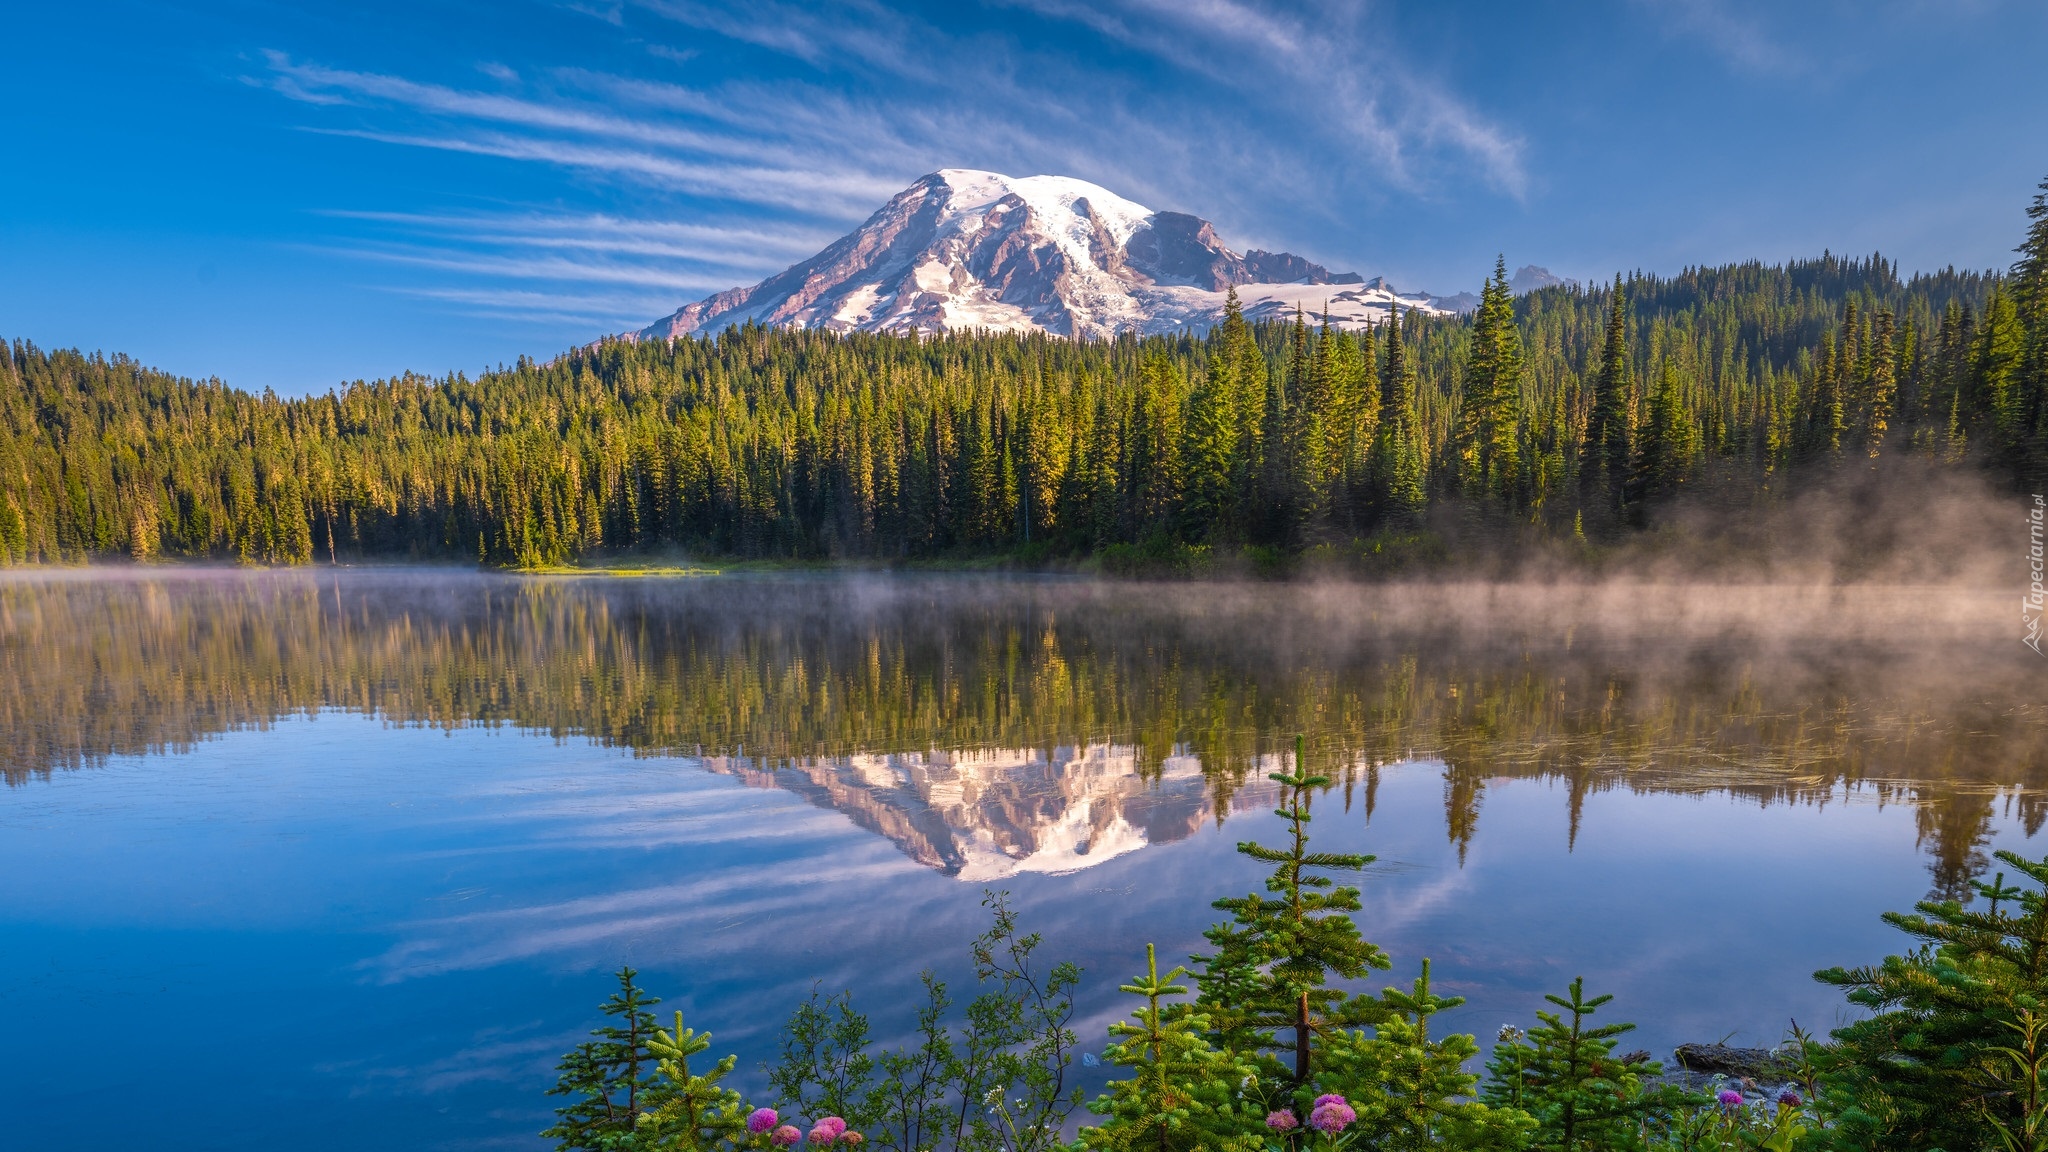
(1568, 411)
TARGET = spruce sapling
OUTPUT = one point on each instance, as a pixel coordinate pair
(1566, 1075)
(1274, 961)
(1944, 1021)
(605, 1075)
(1180, 1095)
(1412, 1090)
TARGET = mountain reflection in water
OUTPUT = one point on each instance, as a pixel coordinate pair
(984, 814)
(992, 726)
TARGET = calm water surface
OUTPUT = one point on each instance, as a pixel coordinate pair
(342, 860)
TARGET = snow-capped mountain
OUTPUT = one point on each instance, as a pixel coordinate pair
(962, 249)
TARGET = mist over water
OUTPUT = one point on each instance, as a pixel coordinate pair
(304, 812)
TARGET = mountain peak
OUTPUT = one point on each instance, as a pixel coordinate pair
(1529, 277)
(967, 249)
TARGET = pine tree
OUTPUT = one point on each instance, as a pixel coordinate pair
(1212, 432)
(1182, 1092)
(1274, 961)
(605, 1077)
(1489, 407)
(1881, 386)
(1608, 448)
(1668, 441)
(1397, 457)
(688, 1112)
(1412, 1091)
(1924, 1070)
(1566, 1076)
(1994, 371)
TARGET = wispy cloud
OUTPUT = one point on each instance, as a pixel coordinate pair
(608, 273)
(1736, 36)
(1242, 110)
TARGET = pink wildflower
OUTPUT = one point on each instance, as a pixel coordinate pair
(837, 1125)
(1282, 1121)
(1333, 1117)
(1327, 1098)
(760, 1120)
(1730, 1098)
(786, 1135)
(822, 1135)
(851, 1138)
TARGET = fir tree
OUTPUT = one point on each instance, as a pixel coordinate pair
(1565, 1075)
(1274, 961)
(1995, 370)
(1929, 1068)
(688, 1112)
(1212, 429)
(608, 1077)
(1411, 1090)
(1881, 385)
(2029, 423)
(1490, 400)
(1182, 1092)
(1668, 441)
(1397, 457)
(1609, 426)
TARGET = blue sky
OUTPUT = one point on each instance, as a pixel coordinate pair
(290, 196)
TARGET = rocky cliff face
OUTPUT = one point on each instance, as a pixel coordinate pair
(962, 249)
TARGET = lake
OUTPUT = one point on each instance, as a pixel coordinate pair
(343, 859)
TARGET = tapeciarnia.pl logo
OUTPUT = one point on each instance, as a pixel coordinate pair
(2037, 595)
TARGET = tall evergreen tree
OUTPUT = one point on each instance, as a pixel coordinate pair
(1668, 442)
(1398, 462)
(1881, 384)
(1213, 441)
(1490, 401)
(1610, 427)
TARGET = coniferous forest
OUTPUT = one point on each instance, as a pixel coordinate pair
(1567, 413)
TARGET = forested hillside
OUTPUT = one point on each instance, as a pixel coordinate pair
(1562, 412)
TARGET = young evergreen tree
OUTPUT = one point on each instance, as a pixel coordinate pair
(1182, 1094)
(1928, 1068)
(1564, 1073)
(688, 1112)
(1274, 961)
(1412, 1091)
(608, 1078)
